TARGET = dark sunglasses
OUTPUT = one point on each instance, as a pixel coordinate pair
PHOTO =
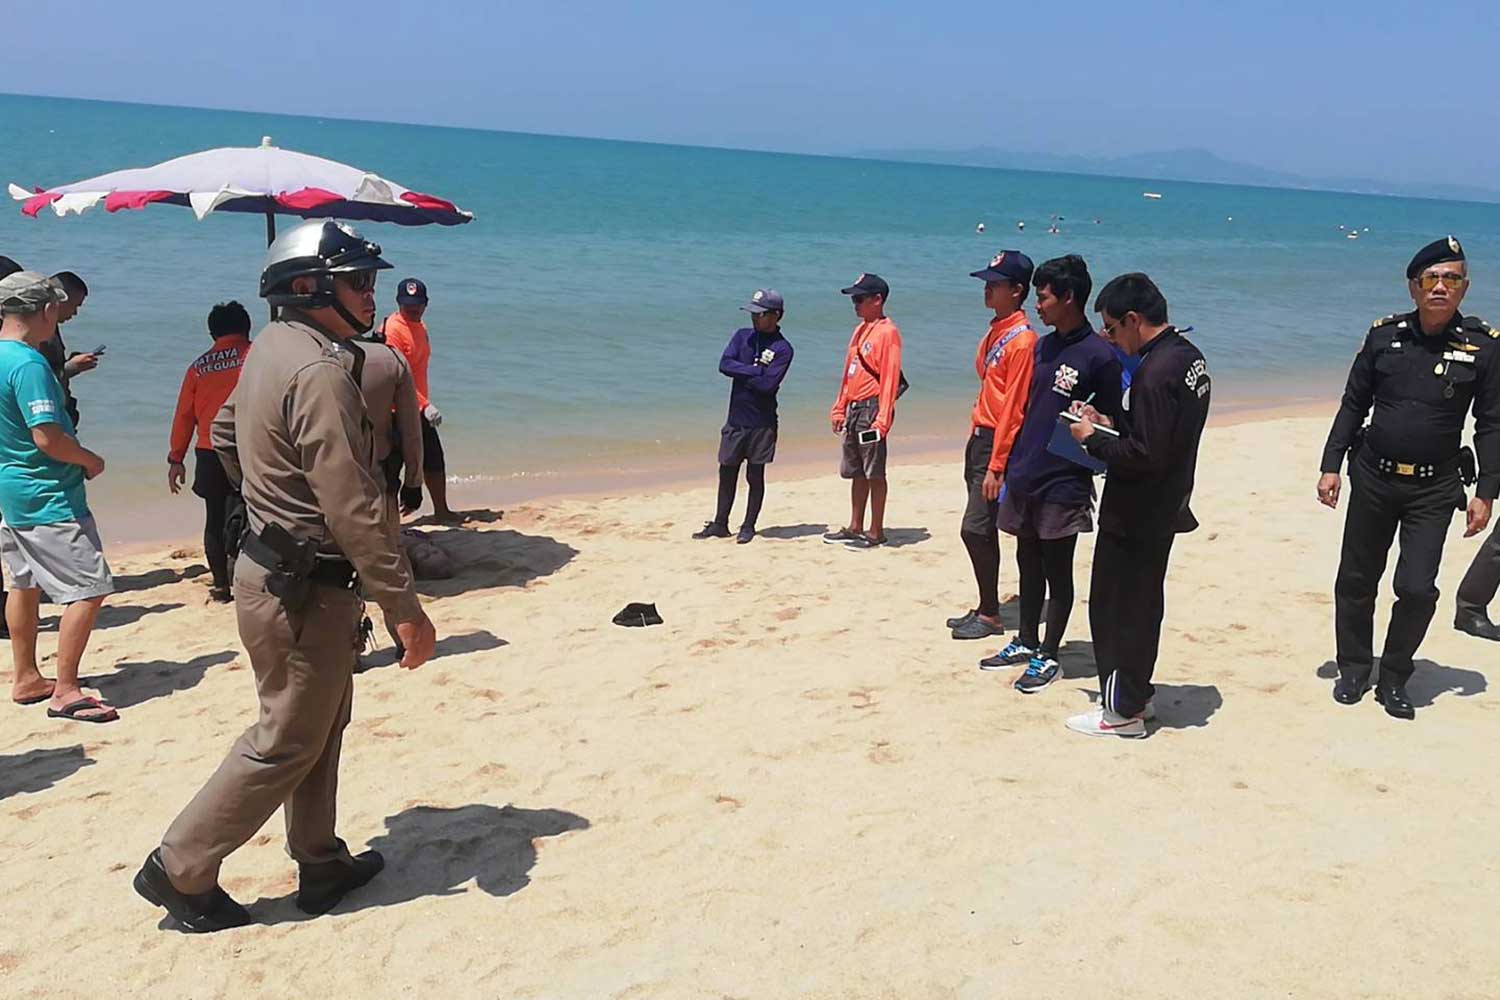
(859, 297)
(360, 281)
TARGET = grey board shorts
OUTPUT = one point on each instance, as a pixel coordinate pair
(756, 445)
(1028, 518)
(65, 559)
(862, 461)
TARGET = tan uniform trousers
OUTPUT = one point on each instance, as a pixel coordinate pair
(392, 513)
(303, 666)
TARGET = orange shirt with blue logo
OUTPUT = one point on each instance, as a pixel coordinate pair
(1003, 363)
(872, 368)
(205, 386)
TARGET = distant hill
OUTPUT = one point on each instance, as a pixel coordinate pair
(1175, 165)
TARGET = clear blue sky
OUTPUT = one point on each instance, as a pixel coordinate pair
(1401, 92)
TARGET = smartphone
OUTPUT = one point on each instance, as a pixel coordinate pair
(870, 436)
(100, 350)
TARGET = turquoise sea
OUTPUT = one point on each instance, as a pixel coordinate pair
(577, 323)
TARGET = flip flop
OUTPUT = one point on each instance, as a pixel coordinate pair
(71, 710)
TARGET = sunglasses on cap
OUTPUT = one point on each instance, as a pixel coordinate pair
(1431, 279)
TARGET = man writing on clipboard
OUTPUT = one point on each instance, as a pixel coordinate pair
(1151, 458)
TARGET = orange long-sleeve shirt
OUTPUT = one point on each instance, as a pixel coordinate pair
(1003, 363)
(205, 386)
(878, 343)
(411, 340)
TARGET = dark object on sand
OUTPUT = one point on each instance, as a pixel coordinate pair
(636, 615)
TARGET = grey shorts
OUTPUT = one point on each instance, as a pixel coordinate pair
(65, 559)
(756, 445)
(979, 513)
(1028, 518)
(862, 461)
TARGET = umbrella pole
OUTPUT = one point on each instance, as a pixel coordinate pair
(271, 238)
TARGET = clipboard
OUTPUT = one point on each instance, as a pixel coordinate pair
(1062, 444)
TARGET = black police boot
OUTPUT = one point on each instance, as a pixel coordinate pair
(1392, 694)
(1348, 691)
(321, 886)
(1477, 624)
(200, 914)
(713, 529)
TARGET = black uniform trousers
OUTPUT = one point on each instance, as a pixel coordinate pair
(1127, 598)
(212, 484)
(1483, 578)
(1379, 504)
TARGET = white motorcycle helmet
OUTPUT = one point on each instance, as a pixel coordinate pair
(319, 248)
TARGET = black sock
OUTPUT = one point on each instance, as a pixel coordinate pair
(727, 476)
(984, 554)
(1057, 557)
(755, 475)
(1033, 572)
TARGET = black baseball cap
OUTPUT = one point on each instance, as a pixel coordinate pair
(868, 284)
(411, 292)
(1007, 265)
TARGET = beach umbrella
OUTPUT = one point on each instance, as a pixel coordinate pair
(263, 180)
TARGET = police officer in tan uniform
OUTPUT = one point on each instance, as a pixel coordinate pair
(296, 435)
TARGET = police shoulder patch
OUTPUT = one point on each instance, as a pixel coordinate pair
(1385, 321)
(1480, 326)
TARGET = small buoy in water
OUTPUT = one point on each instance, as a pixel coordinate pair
(1230, 219)
(979, 228)
(1352, 236)
(1020, 225)
(1341, 229)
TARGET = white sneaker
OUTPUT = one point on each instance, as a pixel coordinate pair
(1103, 722)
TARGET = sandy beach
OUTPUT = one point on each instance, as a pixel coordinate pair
(799, 785)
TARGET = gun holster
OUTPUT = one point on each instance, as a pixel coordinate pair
(1468, 469)
(291, 564)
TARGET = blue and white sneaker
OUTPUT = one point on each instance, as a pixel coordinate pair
(1041, 671)
(1016, 652)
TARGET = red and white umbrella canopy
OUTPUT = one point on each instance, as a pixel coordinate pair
(263, 180)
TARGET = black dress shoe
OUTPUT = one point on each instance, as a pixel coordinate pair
(713, 529)
(200, 914)
(1477, 624)
(1395, 700)
(320, 887)
(746, 535)
(1347, 691)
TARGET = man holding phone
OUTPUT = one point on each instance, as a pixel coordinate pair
(64, 365)
(864, 410)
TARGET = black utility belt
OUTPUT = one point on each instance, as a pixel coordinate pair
(327, 571)
(1415, 470)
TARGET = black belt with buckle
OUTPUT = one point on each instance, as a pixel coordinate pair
(1416, 470)
(328, 571)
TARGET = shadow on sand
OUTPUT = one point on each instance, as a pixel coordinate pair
(157, 578)
(37, 770)
(430, 851)
(453, 645)
(136, 683)
(129, 614)
(1428, 681)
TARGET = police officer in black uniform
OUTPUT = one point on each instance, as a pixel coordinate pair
(1422, 371)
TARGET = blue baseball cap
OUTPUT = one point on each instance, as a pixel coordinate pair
(765, 300)
(411, 292)
(1007, 265)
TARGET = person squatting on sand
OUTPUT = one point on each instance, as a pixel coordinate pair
(295, 434)
(1151, 464)
(1003, 363)
(757, 358)
(865, 409)
(206, 386)
(1421, 371)
(48, 540)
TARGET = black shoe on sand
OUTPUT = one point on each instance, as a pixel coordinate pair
(1393, 696)
(713, 529)
(964, 618)
(747, 534)
(1348, 691)
(320, 887)
(201, 914)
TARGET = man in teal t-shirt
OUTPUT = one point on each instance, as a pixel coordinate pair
(48, 540)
